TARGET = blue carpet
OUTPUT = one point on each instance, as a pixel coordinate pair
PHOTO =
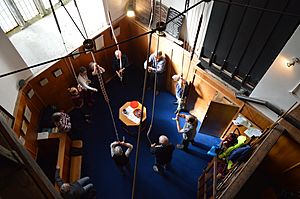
(180, 181)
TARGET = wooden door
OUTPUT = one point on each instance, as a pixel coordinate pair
(217, 118)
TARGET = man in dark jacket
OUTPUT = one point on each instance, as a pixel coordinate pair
(120, 64)
(75, 190)
(163, 153)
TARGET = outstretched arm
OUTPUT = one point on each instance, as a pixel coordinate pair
(83, 83)
(129, 149)
(179, 129)
(112, 147)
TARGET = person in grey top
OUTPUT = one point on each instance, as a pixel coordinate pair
(156, 64)
(121, 159)
(188, 131)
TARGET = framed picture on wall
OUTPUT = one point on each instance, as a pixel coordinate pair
(7, 117)
(76, 53)
(57, 72)
(99, 42)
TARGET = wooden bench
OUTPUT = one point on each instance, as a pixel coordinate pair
(75, 163)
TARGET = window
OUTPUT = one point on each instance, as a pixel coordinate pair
(7, 21)
(48, 44)
(27, 9)
(14, 13)
(47, 4)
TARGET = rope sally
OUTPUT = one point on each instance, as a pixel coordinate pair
(89, 45)
(155, 81)
(154, 95)
(115, 39)
(103, 90)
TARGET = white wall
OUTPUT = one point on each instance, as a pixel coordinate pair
(116, 8)
(10, 60)
(279, 79)
(177, 5)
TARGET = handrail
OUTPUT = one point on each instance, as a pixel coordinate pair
(273, 108)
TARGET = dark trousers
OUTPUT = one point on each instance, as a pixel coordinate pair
(161, 165)
(85, 183)
(186, 143)
(124, 168)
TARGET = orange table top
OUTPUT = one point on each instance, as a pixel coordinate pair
(125, 119)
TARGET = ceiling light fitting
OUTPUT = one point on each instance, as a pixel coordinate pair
(130, 10)
(293, 62)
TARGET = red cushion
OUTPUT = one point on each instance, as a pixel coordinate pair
(134, 104)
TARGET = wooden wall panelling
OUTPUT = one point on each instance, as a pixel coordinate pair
(81, 60)
(292, 130)
(34, 105)
(255, 116)
(138, 47)
(143, 9)
(56, 87)
(107, 55)
(200, 95)
(220, 87)
(283, 161)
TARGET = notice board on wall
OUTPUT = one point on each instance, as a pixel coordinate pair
(174, 26)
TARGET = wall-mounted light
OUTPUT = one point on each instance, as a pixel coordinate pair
(293, 62)
(130, 10)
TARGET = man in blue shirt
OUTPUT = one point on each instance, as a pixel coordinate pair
(156, 64)
(181, 92)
